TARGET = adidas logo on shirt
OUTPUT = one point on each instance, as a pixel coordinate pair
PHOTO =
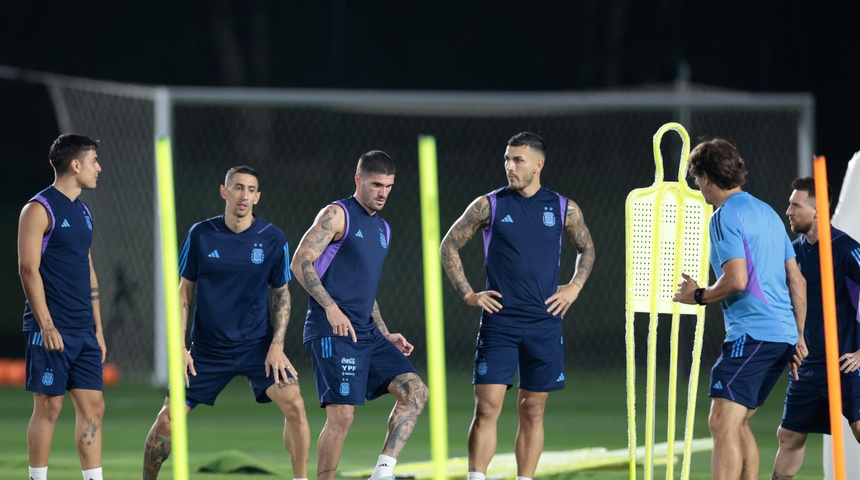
(214, 254)
(359, 234)
(718, 385)
(65, 223)
(507, 219)
(560, 378)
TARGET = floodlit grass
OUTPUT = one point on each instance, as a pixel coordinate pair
(589, 413)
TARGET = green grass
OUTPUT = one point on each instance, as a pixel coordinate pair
(589, 413)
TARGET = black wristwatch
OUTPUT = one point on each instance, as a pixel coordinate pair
(697, 296)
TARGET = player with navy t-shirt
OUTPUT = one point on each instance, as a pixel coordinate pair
(807, 400)
(62, 322)
(339, 262)
(236, 265)
(524, 225)
(763, 296)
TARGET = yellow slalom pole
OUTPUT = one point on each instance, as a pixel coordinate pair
(433, 311)
(828, 301)
(167, 216)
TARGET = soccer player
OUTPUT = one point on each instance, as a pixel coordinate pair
(236, 267)
(523, 226)
(339, 262)
(65, 340)
(763, 296)
(807, 401)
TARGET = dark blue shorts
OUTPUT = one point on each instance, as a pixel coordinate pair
(216, 368)
(537, 350)
(346, 373)
(748, 369)
(79, 365)
(807, 407)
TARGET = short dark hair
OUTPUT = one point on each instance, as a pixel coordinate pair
(240, 169)
(528, 139)
(720, 161)
(68, 147)
(807, 184)
(375, 161)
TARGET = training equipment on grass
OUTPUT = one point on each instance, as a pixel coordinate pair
(666, 234)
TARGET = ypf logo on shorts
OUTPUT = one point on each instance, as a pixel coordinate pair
(48, 378)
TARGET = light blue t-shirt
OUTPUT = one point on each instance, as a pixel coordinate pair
(745, 227)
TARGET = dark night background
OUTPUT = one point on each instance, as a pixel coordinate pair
(761, 46)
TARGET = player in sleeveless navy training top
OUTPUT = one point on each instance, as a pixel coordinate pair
(236, 265)
(763, 298)
(523, 225)
(62, 322)
(339, 262)
(807, 401)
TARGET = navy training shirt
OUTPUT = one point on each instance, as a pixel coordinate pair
(350, 269)
(233, 273)
(846, 272)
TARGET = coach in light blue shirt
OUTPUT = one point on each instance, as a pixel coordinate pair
(763, 297)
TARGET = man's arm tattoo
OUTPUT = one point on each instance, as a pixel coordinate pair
(279, 311)
(475, 217)
(94, 294)
(580, 237)
(377, 319)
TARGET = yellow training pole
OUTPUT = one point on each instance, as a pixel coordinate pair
(176, 365)
(433, 311)
(828, 301)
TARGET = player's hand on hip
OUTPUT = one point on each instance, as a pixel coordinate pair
(563, 299)
(401, 343)
(686, 287)
(849, 362)
(52, 340)
(189, 366)
(340, 324)
(278, 365)
(486, 300)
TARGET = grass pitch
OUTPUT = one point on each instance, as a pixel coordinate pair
(589, 413)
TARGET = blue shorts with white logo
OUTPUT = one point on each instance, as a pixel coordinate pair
(347, 372)
(79, 365)
(537, 350)
(216, 368)
(807, 406)
(748, 369)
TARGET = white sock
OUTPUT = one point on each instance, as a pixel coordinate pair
(40, 473)
(93, 474)
(523, 478)
(294, 478)
(476, 476)
(384, 467)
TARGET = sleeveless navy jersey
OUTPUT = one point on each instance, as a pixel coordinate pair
(233, 274)
(846, 272)
(350, 269)
(522, 253)
(65, 265)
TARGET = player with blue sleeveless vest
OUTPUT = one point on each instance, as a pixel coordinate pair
(65, 341)
(523, 225)
(339, 262)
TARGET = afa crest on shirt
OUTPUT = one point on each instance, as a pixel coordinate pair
(549, 217)
(89, 222)
(257, 253)
(382, 240)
